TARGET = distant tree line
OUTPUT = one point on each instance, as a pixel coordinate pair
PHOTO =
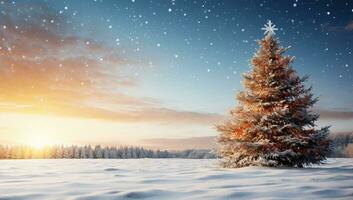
(342, 144)
(96, 152)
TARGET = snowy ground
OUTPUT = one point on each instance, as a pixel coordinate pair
(170, 179)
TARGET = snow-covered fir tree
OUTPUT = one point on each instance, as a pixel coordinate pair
(273, 124)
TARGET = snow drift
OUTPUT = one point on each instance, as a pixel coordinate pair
(170, 179)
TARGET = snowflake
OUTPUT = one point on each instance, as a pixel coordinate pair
(269, 28)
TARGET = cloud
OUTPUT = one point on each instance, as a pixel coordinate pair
(5, 129)
(145, 114)
(41, 62)
(207, 142)
(349, 26)
(332, 28)
(337, 115)
(46, 70)
(171, 115)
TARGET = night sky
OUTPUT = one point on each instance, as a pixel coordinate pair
(159, 69)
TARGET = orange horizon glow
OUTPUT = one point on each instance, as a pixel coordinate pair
(60, 84)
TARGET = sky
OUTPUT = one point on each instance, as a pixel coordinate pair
(134, 71)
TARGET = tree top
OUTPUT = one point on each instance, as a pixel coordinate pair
(269, 28)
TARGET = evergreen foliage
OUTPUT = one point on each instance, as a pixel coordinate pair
(273, 125)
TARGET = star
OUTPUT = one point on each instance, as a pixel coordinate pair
(269, 28)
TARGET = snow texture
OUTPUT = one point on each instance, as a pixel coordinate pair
(170, 179)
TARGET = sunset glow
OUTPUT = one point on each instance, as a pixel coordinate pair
(39, 143)
(176, 99)
(126, 72)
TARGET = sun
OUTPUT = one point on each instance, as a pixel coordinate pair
(38, 133)
(39, 141)
(37, 144)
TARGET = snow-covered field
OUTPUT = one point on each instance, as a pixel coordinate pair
(170, 179)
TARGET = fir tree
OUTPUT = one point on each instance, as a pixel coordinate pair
(273, 125)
